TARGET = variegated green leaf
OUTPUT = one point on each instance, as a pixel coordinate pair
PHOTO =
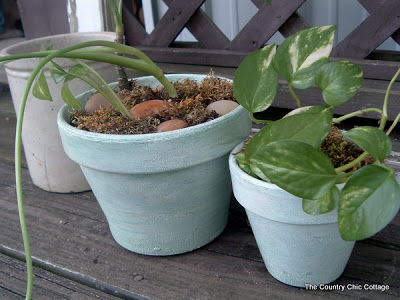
(372, 140)
(41, 88)
(339, 81)
(69, 98)
(297, 167)
(307, 110)
(256, 81)
(368, 202)
(323, 205)
(302, 54)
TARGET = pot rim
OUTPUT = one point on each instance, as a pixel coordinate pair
(121, 138)
(6, 51)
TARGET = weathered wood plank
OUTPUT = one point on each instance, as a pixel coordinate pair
(204, 30)
(293, 24)
(134, 31)
(264, 24)
(46, 285)
(370, 6)
(54, 21)
(372, 32)
(69, 232)
(172, 23)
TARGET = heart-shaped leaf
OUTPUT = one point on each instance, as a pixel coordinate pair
(372, 140)
(310, 128)
(297, 167)
(69, 98)
(323, 205)
(41, 88)
(368, 202)
(339, 81)
(256, 81)
(302, 54)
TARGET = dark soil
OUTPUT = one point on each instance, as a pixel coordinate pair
(190, 106)
(342, 151)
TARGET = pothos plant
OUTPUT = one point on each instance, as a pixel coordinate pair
(100, 51)
(286, 152)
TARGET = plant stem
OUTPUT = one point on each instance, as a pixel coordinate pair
(294, 95)
(259, 121)
(386, 101)
(396, 120)
(356, 113)
(353, 163)
(106, 91)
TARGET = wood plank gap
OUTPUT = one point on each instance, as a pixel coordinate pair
(372, 32)
(74, 276)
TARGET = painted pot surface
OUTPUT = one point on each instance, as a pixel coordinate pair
(162, 193)
(49, 167)
(297, 248)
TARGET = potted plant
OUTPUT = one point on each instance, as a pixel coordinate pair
(305, 211)
(173, 191)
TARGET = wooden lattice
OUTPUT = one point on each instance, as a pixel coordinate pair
(216, 49)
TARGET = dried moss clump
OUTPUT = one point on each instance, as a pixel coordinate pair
(193, 98)
(342, 151)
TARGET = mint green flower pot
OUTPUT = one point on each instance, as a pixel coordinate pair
(162, 193)
(297, 248)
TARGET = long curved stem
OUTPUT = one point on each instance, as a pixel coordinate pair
(353, 163)
(356, 113)
(396, 120)
(386, 101)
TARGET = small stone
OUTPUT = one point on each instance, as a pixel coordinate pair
(138, 277)
(171, 125)
(222, 107)
(150, 108)
(96, 102)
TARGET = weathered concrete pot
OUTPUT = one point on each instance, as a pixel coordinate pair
(297, 248)
(162, 193)
(49, 167)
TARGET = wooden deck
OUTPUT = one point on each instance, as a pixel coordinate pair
(75, 256)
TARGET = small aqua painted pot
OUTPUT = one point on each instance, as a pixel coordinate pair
(297, 248)
(162, 193)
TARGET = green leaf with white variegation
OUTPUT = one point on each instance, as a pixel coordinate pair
(297, 167)
(323, 205)
(371, 140)
(311, 128)
(256, 82)
(302, 54)
(368, 202)
(69, 98)
(339, 81)
(41, 88)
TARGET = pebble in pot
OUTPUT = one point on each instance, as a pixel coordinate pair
(150, 108)
(96, 102)
(171, 125)
(222, 107)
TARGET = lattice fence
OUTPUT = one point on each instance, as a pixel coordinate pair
(215, 49)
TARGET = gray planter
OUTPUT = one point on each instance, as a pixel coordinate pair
(49, 167)
(162, 193)
(297, 248)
